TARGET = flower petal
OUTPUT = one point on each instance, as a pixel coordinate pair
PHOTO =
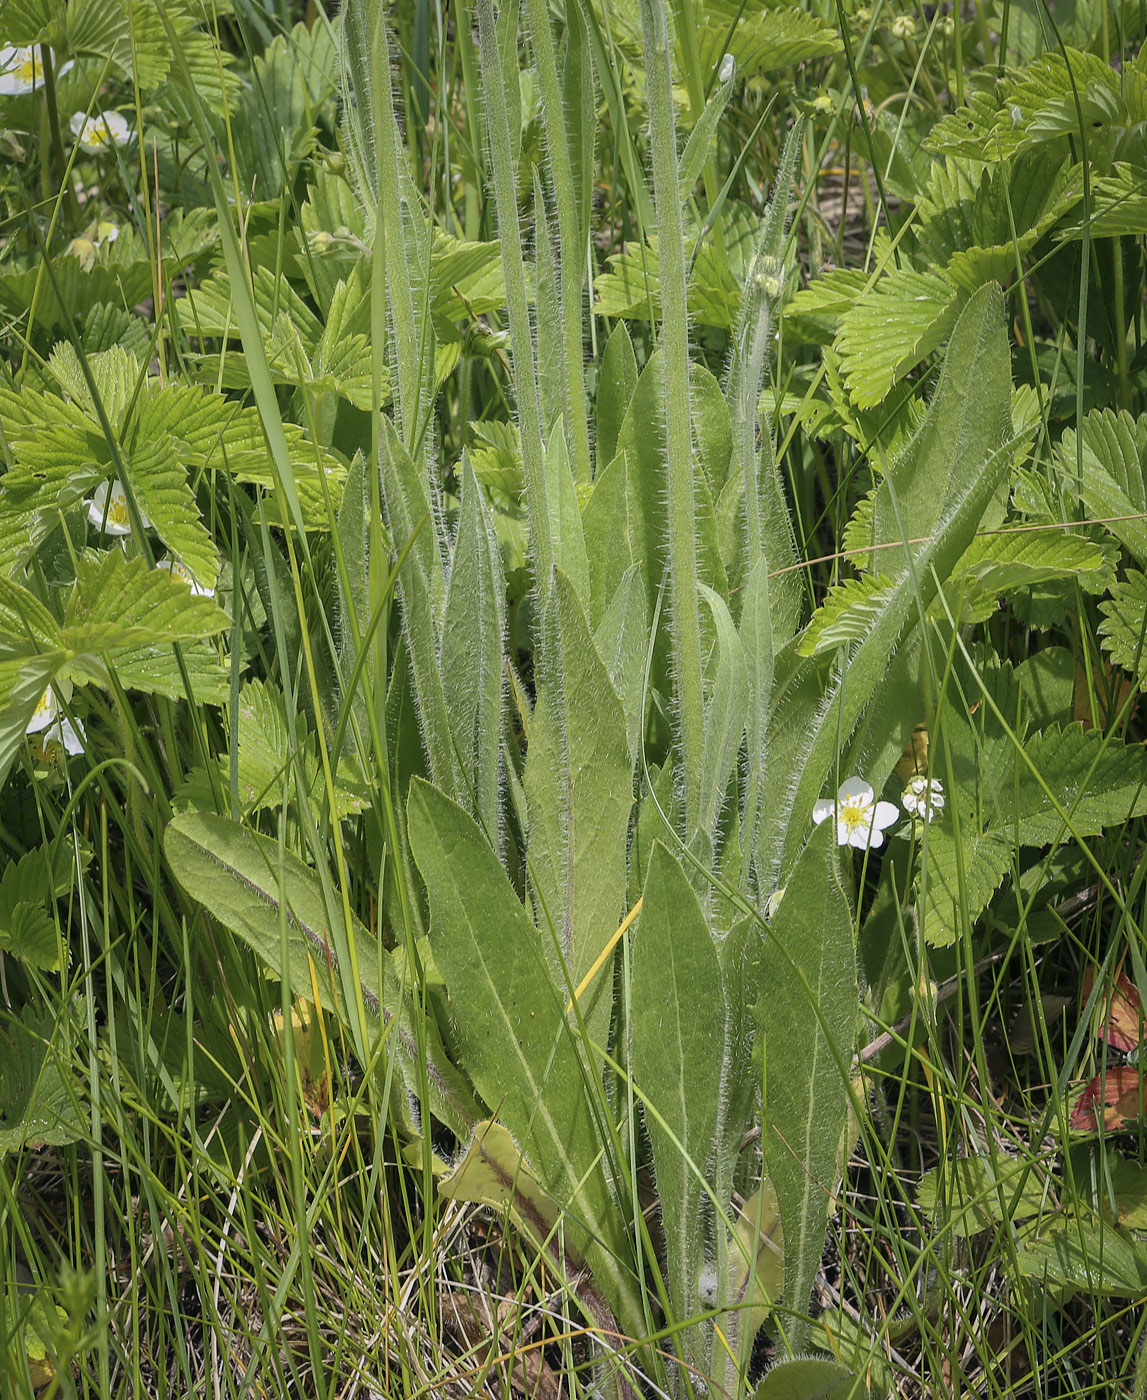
(44, 714)
(855, 789)
(823, 809)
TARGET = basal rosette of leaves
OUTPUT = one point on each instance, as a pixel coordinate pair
(717, 830)
(511, 741)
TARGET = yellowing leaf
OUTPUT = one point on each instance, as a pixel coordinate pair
(311, 1060)
(492, 1172)
(760, 1215)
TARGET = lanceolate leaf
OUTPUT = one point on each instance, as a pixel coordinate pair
(472, 642)
(943, 483)
(422, 591)
(757, 640)
(511, 1031)
(807, 1012)
(618, 380)
(678, 1052)
(245, 882)
(726, 698)
(579, 784)
(622, 641)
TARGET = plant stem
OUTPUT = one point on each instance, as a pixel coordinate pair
(517, 301)
(571, 248)
(681, 563)
(60, 158)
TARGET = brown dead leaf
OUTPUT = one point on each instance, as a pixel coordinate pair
(914, 759)
(1111, 692)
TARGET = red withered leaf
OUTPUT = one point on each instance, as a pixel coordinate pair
(1123, 1094)
(1123, 1026)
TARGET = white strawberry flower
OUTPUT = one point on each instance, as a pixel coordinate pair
(860, 820)
(102, 131)
(54, 727)
(179, 570)
(924, 797)
(107, 510)
(22, 69)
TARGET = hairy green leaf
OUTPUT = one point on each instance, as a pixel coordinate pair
(807, 1012)
(511, 1032)
(249, 885)
(579, 785)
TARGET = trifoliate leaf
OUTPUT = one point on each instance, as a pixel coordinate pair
(122, 602)
(966, 1196)
(40, 1096)
(982, 859)
(1019, 559)
(1103, 469)
(1097, 779)
(890, 329)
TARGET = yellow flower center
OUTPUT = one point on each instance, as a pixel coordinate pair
(182, 573)
(117, 511)
(855, 813)
(46, 751)
(29, 69)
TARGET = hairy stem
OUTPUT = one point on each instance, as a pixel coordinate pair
(681, 561)
(517, 302)
(571, 259)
